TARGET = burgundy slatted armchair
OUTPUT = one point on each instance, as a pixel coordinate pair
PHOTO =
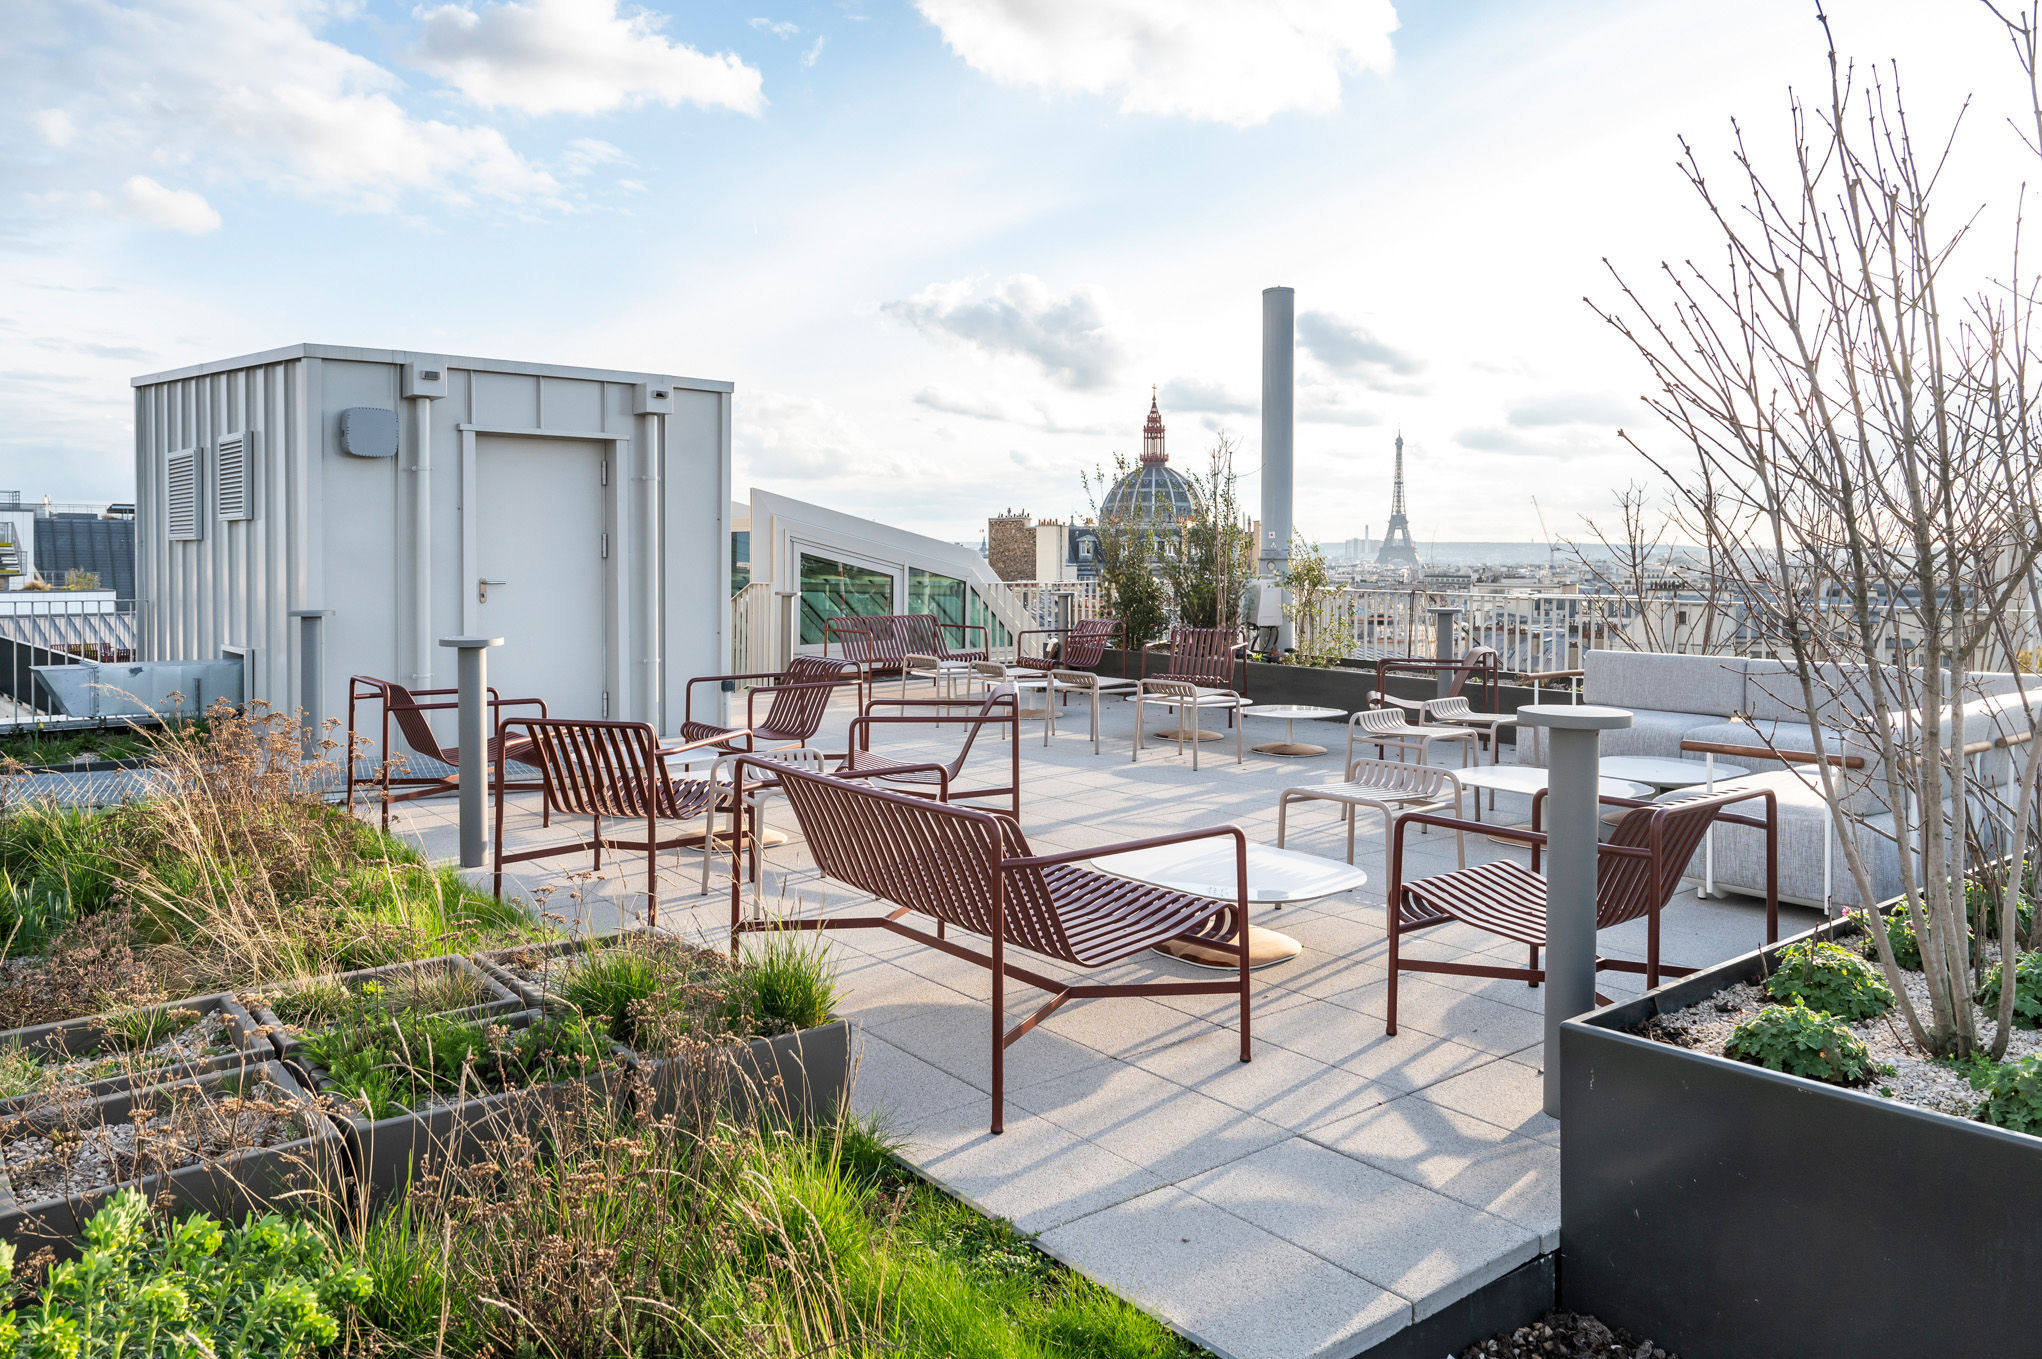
(1210, 658)
(800, 698)
(618, 770)
(1082, 645)
(973, 871)
(431, 768)
(1637, 871)
(938, 779)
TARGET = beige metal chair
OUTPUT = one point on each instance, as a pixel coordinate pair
(1093, 685)
(1455, 712)
(1386, 729)
(1187, 700)
(995, 677)
(1386, 787)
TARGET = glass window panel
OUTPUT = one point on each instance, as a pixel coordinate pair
(831, 589)
(740, 559)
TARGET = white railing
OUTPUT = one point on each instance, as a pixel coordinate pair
(755, 631)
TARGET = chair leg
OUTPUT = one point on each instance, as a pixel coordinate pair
(1390, 1019)
(1282, 808)
(652, 871)
(1534, 964)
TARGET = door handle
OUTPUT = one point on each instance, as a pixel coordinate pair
(482, 589)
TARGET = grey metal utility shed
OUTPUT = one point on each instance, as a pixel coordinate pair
(579, 513)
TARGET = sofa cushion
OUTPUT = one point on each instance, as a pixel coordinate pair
(1804, 826)
(1662, 682)
(1772, 692)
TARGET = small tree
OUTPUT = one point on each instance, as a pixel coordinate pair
(1215, 556)
(1129, 579)
(1860, 446)
(1307, 583)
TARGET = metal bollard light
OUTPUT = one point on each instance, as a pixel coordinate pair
(1572, 822)
(1443, 616)
(474, 737)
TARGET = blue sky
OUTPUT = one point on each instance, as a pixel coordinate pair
(944, 247)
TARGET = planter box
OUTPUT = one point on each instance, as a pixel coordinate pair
(494, 964)
(240, 1183)
(799, 1079)
(1725, 1209)
(82, 1038)
(384, 1155)
(502, 1000)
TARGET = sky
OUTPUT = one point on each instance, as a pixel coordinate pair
(943, 248)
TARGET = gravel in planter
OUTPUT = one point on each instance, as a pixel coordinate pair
(450, 985)
(1913, 1079)
(108, 1053)
(1565, 1335)
(226, 1143)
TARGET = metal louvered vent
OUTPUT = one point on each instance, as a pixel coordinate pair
(182, 499)
(231, 483)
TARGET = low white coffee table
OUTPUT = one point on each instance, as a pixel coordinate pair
(1206, 868)
(1292, 713)
(1527, 780)
(1665, 773)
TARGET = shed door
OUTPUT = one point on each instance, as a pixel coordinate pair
(541, 586)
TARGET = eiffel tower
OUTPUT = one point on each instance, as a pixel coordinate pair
(1397, 549)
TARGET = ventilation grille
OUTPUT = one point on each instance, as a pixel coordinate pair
(230, 485)
(182, 500)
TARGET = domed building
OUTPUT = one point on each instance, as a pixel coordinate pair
(1152, 492)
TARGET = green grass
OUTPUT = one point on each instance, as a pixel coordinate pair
(435, 990)
(62, 747)
(135, 1030)
(612, 988)
(788, 984)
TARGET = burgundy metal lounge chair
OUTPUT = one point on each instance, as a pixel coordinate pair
(938, 779)
(973, 870)
(601, 768)
(1480, 662)
(431, 767)
(1636, 873)
(800, 698)
(1082, 646)
(1207, 657)
(876, 642)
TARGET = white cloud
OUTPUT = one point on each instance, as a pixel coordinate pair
(1197, 394)
(1584, 408)
(55, 127)
(814, 53)
(584, 154)
(172, 209)
(1227, 61)
(576, 56)
(780, 29)
(272, 103)
(1068, 334)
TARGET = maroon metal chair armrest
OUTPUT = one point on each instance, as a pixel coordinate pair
(942, 771)
(701, 743)
(1488, 828)
(539, 703)
(1130, 846)
(972, 703)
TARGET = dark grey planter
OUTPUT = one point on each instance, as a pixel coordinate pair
(253, 1180)
(284, 1037)
(385, 1155)
(73, 1038)
(798, 1079)
(1724, 1209)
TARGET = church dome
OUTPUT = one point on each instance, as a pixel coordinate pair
(1154, 491)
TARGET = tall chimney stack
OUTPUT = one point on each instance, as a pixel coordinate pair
(1279, 346)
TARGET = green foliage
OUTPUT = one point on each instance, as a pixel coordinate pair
(135, 1030)
(1306, 584)
(56, 853)
(393, 1062)
(786, 986)
(191, 1290)
(426, 990)
(1130, 577)
(33, 910)
(1214, 553)
(2027, 991)
(614, 987)
(1802, 1042)
(2013, 1094)
(1900, 936)
(1982, 901)
(1830, 978)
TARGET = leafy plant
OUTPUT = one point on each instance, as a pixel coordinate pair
(1802, 1042)
(265, 1290)
(1214, 550)
(2027, 990)
(427, 990)
(1830, 977)
(2013, 1094)
(395, 1063)
(614, 987)
(1307, 582)
(136, 1030)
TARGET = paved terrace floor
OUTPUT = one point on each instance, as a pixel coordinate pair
(1312, 1202)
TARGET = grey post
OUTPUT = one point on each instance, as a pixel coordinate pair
(1572, 820)
(474, 738)
(311, 670)
(1443, 616)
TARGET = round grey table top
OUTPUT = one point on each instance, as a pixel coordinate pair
(1206, 868)
(1529, 779)
(1667, 773)
(1293, 712)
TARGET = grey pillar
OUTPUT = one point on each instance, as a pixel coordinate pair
(1443, 616)
(474, 739)
(311, 671)
(1279, 360)
(1571, 819)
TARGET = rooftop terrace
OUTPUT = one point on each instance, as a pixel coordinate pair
(1340, 1187)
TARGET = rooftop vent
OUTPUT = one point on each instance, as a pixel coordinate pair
(236, 499)
(181, 503)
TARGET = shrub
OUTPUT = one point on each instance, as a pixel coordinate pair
(1802, 1042)
(2013, 1094)
(615, 987)
(788, 985)
(265, 1290)
(1900, 934)
(2027, 991)
(392, 1063)
(1830, 978)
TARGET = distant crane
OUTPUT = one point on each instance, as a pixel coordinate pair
(1552, 551)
